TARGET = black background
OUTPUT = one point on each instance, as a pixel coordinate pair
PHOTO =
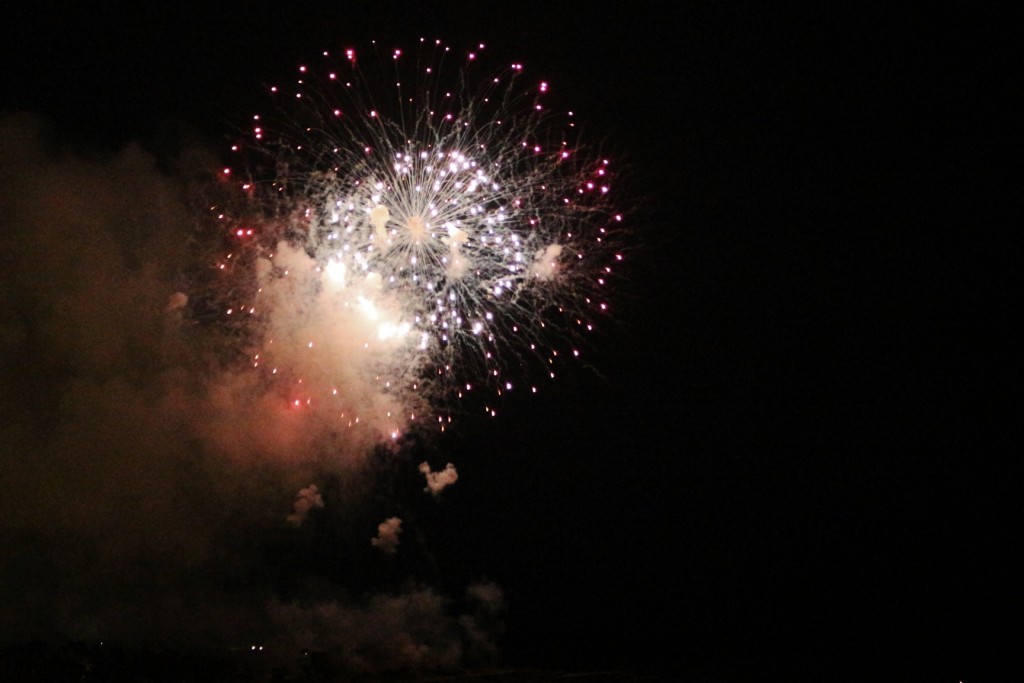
(798, 450)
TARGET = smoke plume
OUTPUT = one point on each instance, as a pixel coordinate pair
(147, 467)
(387, 535)
(438, 481)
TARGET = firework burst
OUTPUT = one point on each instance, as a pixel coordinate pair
(409, 235)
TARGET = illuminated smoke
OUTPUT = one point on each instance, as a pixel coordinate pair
(308, 498)
(403, 235)
(387, 535)
(438, 481)
(176, 302)
(178, 379)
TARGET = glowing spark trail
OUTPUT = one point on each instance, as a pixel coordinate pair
(412, 235)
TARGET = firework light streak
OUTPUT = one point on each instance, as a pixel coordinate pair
(402, 237)
(384, 242)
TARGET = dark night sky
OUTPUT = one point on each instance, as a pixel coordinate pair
(796, 452)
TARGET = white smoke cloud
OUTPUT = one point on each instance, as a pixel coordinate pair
(545, 264)
(437, 481)
(145, 463)
(307, 499)
(327, 343)
(387, 535)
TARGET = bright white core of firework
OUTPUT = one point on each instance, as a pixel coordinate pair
(432, 244)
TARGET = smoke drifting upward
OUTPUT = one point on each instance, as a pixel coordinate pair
(149, 472)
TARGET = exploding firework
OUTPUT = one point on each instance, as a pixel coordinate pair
(411, 230)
